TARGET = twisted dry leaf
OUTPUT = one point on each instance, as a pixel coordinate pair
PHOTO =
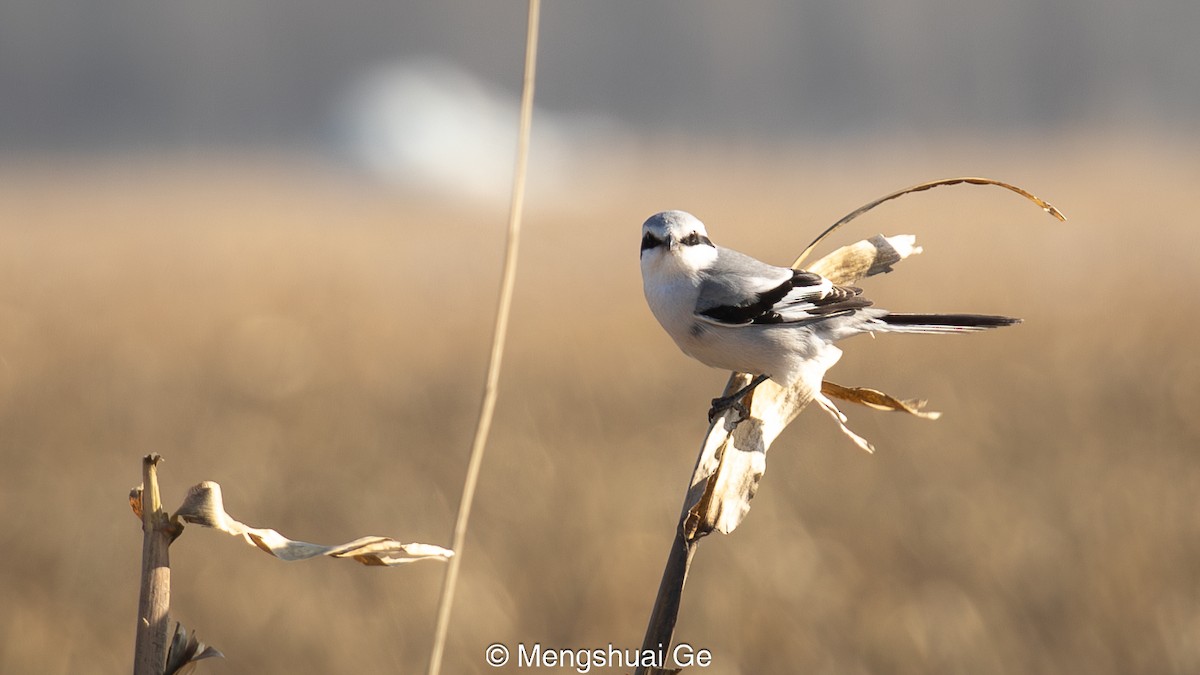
(204, 506)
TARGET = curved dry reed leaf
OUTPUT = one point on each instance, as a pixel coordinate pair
(204, 506)
(841, 420)
(970, 180)
(873, 398)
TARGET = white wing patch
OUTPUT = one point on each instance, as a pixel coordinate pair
(798, 303)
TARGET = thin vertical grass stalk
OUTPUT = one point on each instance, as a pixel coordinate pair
(499, 334)
(154, 601)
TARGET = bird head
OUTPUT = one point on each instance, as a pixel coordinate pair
(675, 239)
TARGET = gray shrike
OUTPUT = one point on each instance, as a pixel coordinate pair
(733, 312)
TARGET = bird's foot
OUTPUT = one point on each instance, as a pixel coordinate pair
(720, 405)
(734, 401)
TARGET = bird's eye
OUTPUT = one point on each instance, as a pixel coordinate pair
(650, 241)
(695, 238)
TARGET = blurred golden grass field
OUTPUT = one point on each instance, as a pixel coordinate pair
(316, 344)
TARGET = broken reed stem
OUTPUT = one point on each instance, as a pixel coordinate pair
(150, 650)
(499, 334)
(660, 632)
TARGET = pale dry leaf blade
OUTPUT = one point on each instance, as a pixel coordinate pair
(865, 258)
(385, 551)
(840, 418)
(873, 398)
(732, 460)
(204, 506)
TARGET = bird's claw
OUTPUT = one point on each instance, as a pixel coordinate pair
(720, 405)
(735, 401)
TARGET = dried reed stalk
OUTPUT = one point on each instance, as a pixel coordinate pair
(500, 332)
(154, 601)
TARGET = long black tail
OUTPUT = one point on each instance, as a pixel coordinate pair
(944, 323)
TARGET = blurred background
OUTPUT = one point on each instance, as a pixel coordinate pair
(264, 240)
